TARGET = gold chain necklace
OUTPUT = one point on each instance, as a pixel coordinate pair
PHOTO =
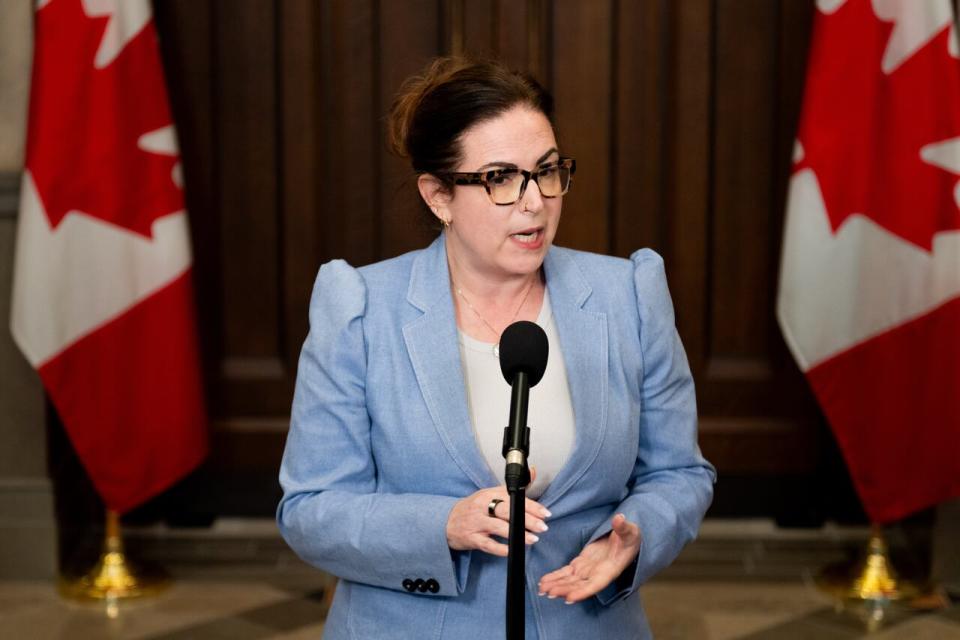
(496, 346)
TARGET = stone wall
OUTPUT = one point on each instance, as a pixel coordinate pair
(27, 530)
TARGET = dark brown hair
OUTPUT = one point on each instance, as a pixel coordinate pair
(432, 110)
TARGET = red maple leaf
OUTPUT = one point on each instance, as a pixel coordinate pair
(85, 123)
(862, 130)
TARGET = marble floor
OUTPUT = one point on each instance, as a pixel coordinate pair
(237, 581)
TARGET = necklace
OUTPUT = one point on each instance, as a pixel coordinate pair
(496, 346)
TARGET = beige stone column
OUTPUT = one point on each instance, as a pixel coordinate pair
(27, 525)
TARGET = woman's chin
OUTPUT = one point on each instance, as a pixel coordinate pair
(529, 262)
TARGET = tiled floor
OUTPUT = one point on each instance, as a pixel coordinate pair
(740, 581)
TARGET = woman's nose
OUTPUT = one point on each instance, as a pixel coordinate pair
(532, 198)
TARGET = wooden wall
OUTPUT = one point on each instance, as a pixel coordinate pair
(681, 116)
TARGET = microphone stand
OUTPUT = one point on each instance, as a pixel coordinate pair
(516, 449)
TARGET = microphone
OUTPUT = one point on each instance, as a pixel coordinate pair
(523, 360)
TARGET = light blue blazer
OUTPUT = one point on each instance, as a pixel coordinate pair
(381, 446)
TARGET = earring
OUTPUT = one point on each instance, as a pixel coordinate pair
(443, 221)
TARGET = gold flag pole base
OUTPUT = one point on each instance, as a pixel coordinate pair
(873, 585)
(112, 579)
(873, 578)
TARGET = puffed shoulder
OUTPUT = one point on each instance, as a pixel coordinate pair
(647, 264)
(339, 294)
(650, 280)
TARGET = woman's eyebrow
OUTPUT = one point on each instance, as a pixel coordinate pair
(544, 157)
(498, 165)
(510, 165)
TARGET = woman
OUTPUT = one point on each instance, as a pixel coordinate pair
(392, 465)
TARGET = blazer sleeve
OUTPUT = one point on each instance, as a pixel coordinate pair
(672, 484)
(330, 512)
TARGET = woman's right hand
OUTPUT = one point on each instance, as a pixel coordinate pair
(470, 526)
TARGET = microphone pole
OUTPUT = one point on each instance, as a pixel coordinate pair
(516, 449)
(523, 361)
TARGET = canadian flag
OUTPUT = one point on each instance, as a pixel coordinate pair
(869, 298)
(102, 298)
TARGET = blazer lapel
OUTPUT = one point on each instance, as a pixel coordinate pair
(583, 336)
(432, 343)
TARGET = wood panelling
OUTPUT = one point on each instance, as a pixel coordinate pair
(686, 157)
(638, 135)
(409, 35)
(681, 116)
(247, 159)
(299, 133)
(348, 122)
(742, 166)
(581, 80)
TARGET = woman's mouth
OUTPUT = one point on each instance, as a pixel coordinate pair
(529, 238)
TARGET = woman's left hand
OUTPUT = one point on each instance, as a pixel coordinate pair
(598, 564)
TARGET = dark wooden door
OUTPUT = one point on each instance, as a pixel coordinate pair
(681, 116)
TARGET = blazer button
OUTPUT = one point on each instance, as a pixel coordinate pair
(420, 585)
(409, 585)
(433, 586)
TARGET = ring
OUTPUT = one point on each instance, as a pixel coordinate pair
(492, 507)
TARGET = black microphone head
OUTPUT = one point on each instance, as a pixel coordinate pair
(523, 347)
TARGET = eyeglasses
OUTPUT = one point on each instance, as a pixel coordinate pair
(507, 186)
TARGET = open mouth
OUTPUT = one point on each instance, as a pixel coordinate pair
(528, 236)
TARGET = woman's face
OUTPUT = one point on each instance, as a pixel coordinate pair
(503, 240)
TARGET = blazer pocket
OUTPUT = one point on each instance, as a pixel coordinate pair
(382, 613)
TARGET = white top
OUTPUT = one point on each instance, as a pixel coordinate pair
(550, 414)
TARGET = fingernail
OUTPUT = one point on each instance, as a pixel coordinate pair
(547, 513)
(543, 527)
(532, 538)
(540, 593)
(551, 597)
(568, 602)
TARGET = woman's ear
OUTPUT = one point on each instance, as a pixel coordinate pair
(436, 195)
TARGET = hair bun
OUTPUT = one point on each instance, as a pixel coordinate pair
(411, 94)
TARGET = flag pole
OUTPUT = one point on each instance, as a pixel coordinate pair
(112, 579)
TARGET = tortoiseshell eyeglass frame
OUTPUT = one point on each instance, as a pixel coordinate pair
(483, 178)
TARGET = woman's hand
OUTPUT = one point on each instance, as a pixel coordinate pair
(470, 525)
(598, 564)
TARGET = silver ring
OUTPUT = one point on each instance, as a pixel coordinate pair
(492, 507)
